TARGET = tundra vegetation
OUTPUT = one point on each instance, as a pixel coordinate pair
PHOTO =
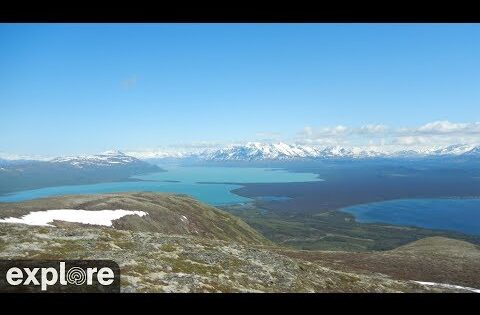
(182, 245)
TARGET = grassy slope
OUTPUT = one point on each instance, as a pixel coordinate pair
(333, 230)
(432, 259)
(165, 214)
(214, 251)
(156, 262)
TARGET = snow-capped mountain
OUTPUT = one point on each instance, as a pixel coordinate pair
(455, 149)
(254, 151)
(157, 154)
(74, 170)
(259, 151)
(108, 158)
(283, 151)
(474, 151)
(342, 152)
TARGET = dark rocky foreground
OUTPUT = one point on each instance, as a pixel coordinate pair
(211, 251)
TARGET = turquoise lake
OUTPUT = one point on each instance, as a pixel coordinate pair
(184, 180)
(213, 185)
(455, 214)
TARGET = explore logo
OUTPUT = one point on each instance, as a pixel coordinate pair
(59, 276)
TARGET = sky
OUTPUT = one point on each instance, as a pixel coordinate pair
(87, 88)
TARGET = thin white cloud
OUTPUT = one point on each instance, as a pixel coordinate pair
(324, 132)
(432, 134)
(446, 127)
(410, 140)
(130, 82)
(372, 129)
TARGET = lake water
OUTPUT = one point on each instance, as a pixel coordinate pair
(208, 184)
(456, 214)
(213, 185)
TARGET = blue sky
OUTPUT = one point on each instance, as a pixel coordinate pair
(84, 88)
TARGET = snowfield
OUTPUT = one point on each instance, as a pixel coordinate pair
(449, 286)
(105, 159)
(94, 217)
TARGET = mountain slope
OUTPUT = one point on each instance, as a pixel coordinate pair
(432, 259)
(166, 213)
(108, 158)
(455, 149)
(110, 166)
(160, 253)
(156, 262)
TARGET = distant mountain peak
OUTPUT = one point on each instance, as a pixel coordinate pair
(107, 158)
(113, 152)
(455, 149)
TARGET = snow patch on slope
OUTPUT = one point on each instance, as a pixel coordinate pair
(448, 286)
(94, 217)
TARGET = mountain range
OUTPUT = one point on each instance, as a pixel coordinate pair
(117, 166)
(105, 159)
(255, 151)
(108, 158)
(105, 167)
